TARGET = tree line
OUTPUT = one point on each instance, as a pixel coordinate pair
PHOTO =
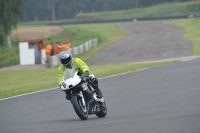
(12, 11)
(50, 10)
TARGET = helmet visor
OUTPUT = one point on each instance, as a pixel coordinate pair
(68, 64)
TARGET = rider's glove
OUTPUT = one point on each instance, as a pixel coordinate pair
(85, 75)
(91, 78)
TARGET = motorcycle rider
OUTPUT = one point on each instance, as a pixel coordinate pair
(69, 62)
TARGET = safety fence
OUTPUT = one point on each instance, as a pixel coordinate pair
(55, 61)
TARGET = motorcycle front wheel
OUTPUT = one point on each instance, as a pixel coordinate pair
(80, 109)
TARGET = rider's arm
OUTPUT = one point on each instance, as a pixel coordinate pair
(60, 75)
(83, 67)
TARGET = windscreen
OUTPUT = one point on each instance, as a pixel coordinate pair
(69, 73)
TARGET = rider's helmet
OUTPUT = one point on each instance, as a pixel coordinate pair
(66, 59)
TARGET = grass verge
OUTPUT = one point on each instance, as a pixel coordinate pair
(192, 32)
(160, 10)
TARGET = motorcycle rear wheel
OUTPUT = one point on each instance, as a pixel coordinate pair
(80, 109)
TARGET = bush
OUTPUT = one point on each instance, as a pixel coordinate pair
(9, 56)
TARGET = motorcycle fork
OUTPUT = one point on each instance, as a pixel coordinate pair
(80, 94)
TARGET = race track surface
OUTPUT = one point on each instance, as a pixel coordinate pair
(156, 100)
(145, 41)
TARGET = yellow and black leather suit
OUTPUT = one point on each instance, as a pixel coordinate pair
(77, 64)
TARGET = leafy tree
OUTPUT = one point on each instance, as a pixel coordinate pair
(11, 11)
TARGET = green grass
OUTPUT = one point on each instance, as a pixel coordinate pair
(192, 32)
(79, 35)
(112, 69)
(18, 82)
(24, 81)
(75, 35)
(162, 10)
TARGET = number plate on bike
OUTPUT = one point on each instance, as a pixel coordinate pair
(85, 87)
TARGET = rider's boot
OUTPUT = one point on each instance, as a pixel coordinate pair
(99, 93)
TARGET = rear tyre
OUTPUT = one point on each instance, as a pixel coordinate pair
(103, 110)
(80, 109)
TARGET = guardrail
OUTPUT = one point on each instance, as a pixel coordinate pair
(55, 61)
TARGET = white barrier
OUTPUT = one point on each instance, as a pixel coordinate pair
(55, 61)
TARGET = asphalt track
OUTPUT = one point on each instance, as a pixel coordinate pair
(156, 100)
(145, 41)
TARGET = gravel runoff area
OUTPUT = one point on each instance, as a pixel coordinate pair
(146, 42)
(151, 41)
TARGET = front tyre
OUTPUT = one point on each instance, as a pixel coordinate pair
(103, 110)
(80, 109)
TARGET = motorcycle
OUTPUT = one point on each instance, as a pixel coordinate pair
(83, 96)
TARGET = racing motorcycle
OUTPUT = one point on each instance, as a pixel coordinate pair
(83, 96)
